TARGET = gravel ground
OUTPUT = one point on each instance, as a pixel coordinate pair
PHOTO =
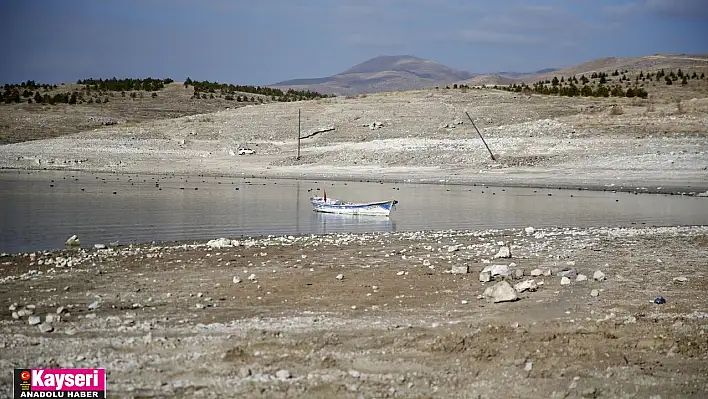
(421, 136)
(372, 315)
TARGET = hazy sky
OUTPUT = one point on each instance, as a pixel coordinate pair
(265, 41)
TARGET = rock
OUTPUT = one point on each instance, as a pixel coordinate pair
(530, 230)
(400, 273)
(497, 270)
(199, 306)
(594, 293)
(548, 273)
(460, 269)
(519, 274)
(100, 246)
(13, 307)
(340, 276)
(73, 241)
(568, 273)
(94, 305)
(236, 280)
(16, 315)
(219, 243)
(598, 275)
(681, 279)
(34, 320)
(536, 272)
(528, 366)
(60, 310)
(565, 281)
(244, 372)
(252, 277)
(504, 252)
(485, 277)
(354, 373)
(45, 328)
(528, 285)
(283, 374)
(588, 393)
(501, 292)
(581, 277)
(52, 318)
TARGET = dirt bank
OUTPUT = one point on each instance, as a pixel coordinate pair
(421, 136)
(372, 315)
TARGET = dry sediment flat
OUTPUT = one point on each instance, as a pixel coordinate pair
(641, 145)
(370, 315)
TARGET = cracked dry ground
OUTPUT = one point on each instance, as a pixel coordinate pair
(376, 332)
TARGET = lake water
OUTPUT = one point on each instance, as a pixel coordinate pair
(105, 208)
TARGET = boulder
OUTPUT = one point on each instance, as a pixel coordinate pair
(504, 252)
(501, 292)
(528, 285)
(73, 241)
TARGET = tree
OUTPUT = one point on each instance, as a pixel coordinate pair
(38, 98)
(703, 75)
(603, 80)
(668, 80)
(554, 82)
(154, 95)
(680, 73)
(630, 93)
(72, 99)
(684, 81)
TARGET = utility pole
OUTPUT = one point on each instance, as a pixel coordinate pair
(298, 134)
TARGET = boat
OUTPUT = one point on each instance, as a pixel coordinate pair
(334, 205)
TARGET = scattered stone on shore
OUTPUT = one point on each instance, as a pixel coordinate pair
(548, 273)
(34, 320)
(530, 230)
(283, 374)
(73, 241)
(52, 318)
(519, 274)
(501, 292)
(340, 276)
(485, 276)
(568, 273)
(46, 328)
(536, 272)
(598, 275)
(236, 280)
(460, 269)
(504, 252)
(565, 281)
(100, 246)
(680, 279)
(220, 243)
(528, 285)
(12, 307)
(594, 293)
(581, 278)
(94, 305)
(60, 310)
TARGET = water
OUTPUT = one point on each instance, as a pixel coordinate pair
(36, 216)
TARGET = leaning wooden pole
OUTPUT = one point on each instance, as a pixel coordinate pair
(298, 134)
(480, 136)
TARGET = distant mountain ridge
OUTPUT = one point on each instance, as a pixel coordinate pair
(384, 73)
(405, 72)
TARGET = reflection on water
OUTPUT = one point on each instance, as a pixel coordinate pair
(336, 223)
(40, 210)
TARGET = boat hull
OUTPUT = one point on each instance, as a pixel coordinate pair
(331, 205)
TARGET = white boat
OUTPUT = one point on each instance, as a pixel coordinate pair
(333, 205)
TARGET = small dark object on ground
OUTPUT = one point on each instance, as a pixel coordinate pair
(660, 300)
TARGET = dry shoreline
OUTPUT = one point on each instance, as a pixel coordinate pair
(377, 314)
(419, 136)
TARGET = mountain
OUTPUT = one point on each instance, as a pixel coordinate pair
(384, 73)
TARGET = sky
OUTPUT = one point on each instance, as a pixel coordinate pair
(261, 42)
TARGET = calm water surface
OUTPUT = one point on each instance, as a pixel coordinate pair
(105, 208)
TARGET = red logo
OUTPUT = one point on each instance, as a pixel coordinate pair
(25, 375)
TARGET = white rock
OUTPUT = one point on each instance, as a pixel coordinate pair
(528, 285)
(530, 230)
(499, 270)
(13, 307)
(52, 318)
(340, 276)
(34, 320)
(283, 374)
(680, 279)
(460, 269)
(528, 366)
(548, 273)
(485, 277)
(501, 292)
(400, 273)
(45, 328)
(536, 272)
(252, 277)
(565, 281)
(94, 305)
(73, 240)
(594, 293)
(598, 275)
(581, 277)
(219, 243)
(519, 274)
(236, 280)
(504, 252)
(100, 246)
